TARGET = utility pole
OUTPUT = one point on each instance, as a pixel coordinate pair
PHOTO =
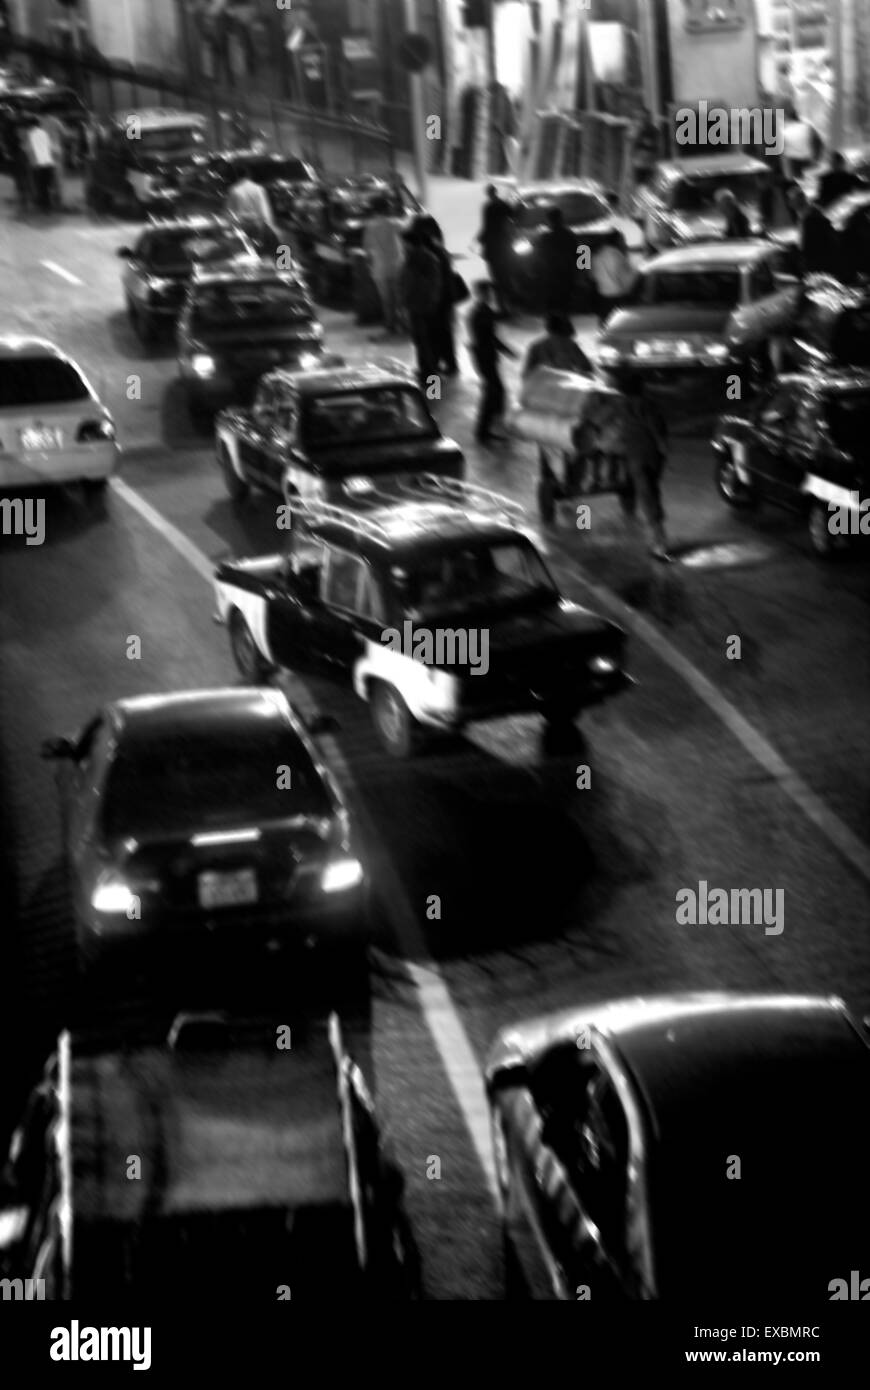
(418, 109)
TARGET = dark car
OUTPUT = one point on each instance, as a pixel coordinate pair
(205, 822)
(161, 262)
(678, 205)
(830, 330)
(17, 103)
(701, 313)
(434, 605)
(211, 176)
(328, 224)
(137, 158)
(617, 1130)
(237, 323)
(328, 432)
(265, 1173)
(585, 210)
(803, 445)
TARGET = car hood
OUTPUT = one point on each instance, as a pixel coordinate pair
(676, 319)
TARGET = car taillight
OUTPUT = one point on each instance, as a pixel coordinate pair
(92, 431)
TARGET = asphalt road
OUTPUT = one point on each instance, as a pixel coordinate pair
(748, 773)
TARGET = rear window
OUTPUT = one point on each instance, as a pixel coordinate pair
(576, 208)
(268, 303)
(390, 412)
(210, 780)
(691, 287)
(181, 249)
(171, 140)
(698, 194)
(39, 381)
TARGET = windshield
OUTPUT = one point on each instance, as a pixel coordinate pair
(576, 208)
(249, 304)
(266, 169)
(697, 194)
(190, 779)
(356, 417)
(182, 249)
(691, 287)
(172, 140)
(848, 419)
(473, 575)
(39, 381)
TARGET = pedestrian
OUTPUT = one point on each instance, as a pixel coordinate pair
(443, 320)
(486, 348)
(558, 348)
(737, 225)
(557, 255)
(21, 172)
(421, 292)
(40, 157)
(612, 273)
(643, 444)
(797, 144)
(247, 203)
(645, 148)
(495, 237)
(384, 250)
(59, 137)
(837, 181)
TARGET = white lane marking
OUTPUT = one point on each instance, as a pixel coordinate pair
(64, 274)
(436, 1003)
(844, 840)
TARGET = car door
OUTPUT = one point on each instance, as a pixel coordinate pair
(277, 434)
(293, 615)
(339, 629)
(769, 440)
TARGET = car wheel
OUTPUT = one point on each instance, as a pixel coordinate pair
(825, 545)
(731, 487)
(237, 488)
(247, 655)
(396, 727)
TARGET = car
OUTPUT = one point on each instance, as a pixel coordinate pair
(326, 432)
(328, 223)
(678, 207)
(803, 446)
(585, 209)
(702, 313)
(53, 426)
(159, 265)
(433, 604)
(645, 1148)
(205, 825)
(137, 157)
(212, 175)
(847, 252)
(17, 102)
(264, 1170)
(831, 329)
(238, 321)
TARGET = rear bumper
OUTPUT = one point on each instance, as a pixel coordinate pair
(38, 468)
(496, 704)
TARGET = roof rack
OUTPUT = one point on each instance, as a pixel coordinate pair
(410, 487)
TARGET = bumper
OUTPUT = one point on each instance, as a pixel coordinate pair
(37, 467)
(496, 704)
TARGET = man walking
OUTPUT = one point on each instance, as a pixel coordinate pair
(421, 291)
(382, 244)
(643, 440)
(494, 237)
(557, 252)
(248, 204)
(40, 158)
(557, 347)
(486, 348)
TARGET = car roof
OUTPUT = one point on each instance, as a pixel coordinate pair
(701, 166)
(326, 381)
(158, 117)
(250, 272)
(714, 254)
(409, 531)
(194, 222)
(199, 711)
(239, 1128)
(24, 345)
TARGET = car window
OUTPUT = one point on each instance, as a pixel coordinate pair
(370, 601)
(603, 1167)
(386, 412)
(39, 380)
(265, 402)
(777, 408)
(714, 286)
(342, 578)
(761, 282)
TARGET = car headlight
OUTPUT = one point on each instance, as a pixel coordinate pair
(522, 246)
(93, 431)
(306, 360)
(203, 364)
(602, 665)
(112, 894)
(608, 353)
(341, 875)
(717, 352)
(157, 285)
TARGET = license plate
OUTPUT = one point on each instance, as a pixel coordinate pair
(37, 438)
(234, 889)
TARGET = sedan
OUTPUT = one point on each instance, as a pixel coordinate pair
(205, 821)
(53, 426)
(652, 1148)
(678, 205)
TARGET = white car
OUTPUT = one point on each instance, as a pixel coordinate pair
(53, 426)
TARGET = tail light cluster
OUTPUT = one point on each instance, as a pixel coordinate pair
(95, 431)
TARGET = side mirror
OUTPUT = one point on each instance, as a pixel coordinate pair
(320, 724)
(57, 748)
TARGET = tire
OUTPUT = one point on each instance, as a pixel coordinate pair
(824, 545)
(394, 724)
(249, 660)
(730, 488)
(237, 488)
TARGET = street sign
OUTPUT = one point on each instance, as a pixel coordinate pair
(415, 52)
